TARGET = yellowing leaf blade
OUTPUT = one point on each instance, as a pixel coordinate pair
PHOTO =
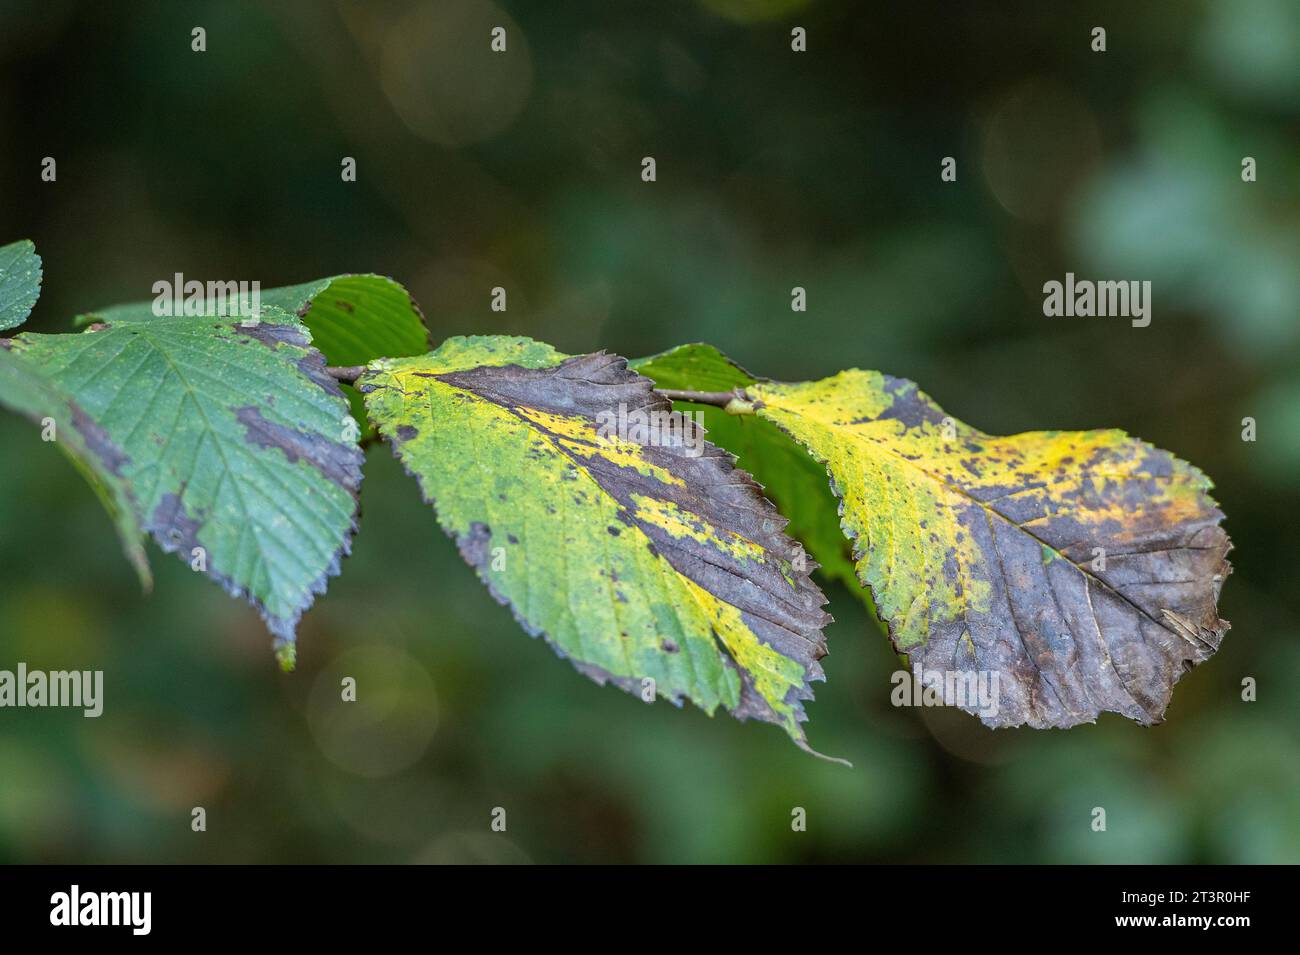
(1081, 568)
(639, 559)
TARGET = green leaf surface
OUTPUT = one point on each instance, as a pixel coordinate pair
(355, 319)
(796, 482)
(237, 448)
(23, 389)
(639, 559)
(352, 318)
(20, 282)
(1082, 569)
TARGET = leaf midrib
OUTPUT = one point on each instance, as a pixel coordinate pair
(961, 492)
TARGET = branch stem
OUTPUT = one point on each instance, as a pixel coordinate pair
(348, 374)
(733, 402)
(719, 398)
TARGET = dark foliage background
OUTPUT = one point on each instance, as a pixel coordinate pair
(775, 170)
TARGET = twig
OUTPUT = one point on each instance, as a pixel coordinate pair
(348, 374)
(733, 402)
(719, 398)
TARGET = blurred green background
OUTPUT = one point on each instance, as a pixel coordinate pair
(775, 169)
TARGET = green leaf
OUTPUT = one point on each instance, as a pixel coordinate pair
(355, 319)
(788, 475)
(25, 391)
(637, 559)
(983, 553)
(694, 367)
(20, 282)
(237, 448)
(352, 319)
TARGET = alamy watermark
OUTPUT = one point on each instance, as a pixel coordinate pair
(654, 428)
(971, 690)
(75, 907)
(1083, 298)
(80, 689)
(177, 297)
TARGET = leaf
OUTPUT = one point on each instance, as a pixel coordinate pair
(230, 438)
(24, 391)
(355, 319)
(20, 282)
(980, 550)
(788, 475)
(84, 443)
(352, 319)
(636, 560)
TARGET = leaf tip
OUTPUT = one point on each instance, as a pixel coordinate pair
(838, 760)
(286, 654)
(140, 562)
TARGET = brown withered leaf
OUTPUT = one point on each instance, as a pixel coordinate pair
(1081, 570)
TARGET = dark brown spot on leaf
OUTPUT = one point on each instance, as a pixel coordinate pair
(339, 462)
